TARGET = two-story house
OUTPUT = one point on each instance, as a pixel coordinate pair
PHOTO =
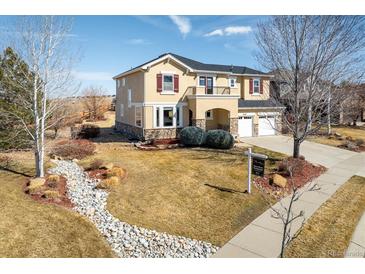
(158, 98)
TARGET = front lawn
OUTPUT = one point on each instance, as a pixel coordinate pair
(328, 232)
(31, 229)
(174, 191)
(343, 131)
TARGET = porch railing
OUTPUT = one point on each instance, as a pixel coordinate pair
(216, 90)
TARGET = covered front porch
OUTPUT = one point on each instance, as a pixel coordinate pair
(211, 114)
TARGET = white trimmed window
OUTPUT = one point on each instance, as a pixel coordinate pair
(121, 110)
(256, 86)
(129, 98)
(167, 83)
(123, 82)
(118, 83)
(209, 115)
(168, 116)
(202, 81)
(232, 82)
(138, 116)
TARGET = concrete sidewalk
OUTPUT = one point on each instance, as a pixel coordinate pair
(262, 238)
(315, 153)
(356, 248)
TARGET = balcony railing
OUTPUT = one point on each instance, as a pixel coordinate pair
(216, 90)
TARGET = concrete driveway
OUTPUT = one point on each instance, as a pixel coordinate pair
(316, 153)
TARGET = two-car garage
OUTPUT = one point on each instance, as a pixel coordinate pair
(266, 124)
(258, 117)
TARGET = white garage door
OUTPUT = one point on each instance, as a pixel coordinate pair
(245, 126)
(266, 125)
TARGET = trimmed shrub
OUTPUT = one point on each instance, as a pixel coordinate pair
(89, 131)
(73, 149)
(192, 136)
(219, 138)
(85, 131)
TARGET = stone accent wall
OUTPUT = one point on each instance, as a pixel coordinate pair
(233, 126)
(199, 123)
(161, 133)
(129, 130)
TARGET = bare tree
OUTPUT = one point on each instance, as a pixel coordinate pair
(95, 102)
(284, 209)
(312, 55)
(41, 42)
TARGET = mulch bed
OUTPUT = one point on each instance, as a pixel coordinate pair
(304, 173)
(97, 173)
(60, 187)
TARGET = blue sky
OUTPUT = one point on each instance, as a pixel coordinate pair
(113, 44)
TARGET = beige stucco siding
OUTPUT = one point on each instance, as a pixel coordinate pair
(200, 105)
(245, 89)
(185, 81)
(134, 82)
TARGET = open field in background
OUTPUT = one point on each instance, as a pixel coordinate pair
(328, 232)
(31, 229)
(167, 190)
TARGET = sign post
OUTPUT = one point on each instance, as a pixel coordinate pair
(249, 171)
(256, 165)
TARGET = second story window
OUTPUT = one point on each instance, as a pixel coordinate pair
(256, 86)
(232, 82)
(168, 83)
(202, 81)
(123, 82)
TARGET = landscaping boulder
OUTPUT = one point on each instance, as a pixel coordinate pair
(279, 180)
(219, 138)
(192, 136)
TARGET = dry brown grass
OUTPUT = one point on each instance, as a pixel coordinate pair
(345, 131)
(328, 232)
(31, 229)
(166, 190)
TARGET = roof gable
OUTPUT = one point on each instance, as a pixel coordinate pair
(196, 66)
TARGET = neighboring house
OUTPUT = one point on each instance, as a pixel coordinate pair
(158, 98)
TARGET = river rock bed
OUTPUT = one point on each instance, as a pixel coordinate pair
(126, 240)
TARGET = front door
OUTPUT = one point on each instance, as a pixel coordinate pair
(209, 85)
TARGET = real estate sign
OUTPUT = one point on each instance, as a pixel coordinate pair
(258, 166)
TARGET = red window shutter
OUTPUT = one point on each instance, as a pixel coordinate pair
(261, 86)
(251, 86)
(159, 82)
(176, 83)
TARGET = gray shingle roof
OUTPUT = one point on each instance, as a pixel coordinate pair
(206, 67)
(214, 67)
(258, 104)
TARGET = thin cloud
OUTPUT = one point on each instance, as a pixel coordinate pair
(231, 30)
(137, 41)
(183, 23)
(93, 75)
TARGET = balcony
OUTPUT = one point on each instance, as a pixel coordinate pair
(216, 90)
